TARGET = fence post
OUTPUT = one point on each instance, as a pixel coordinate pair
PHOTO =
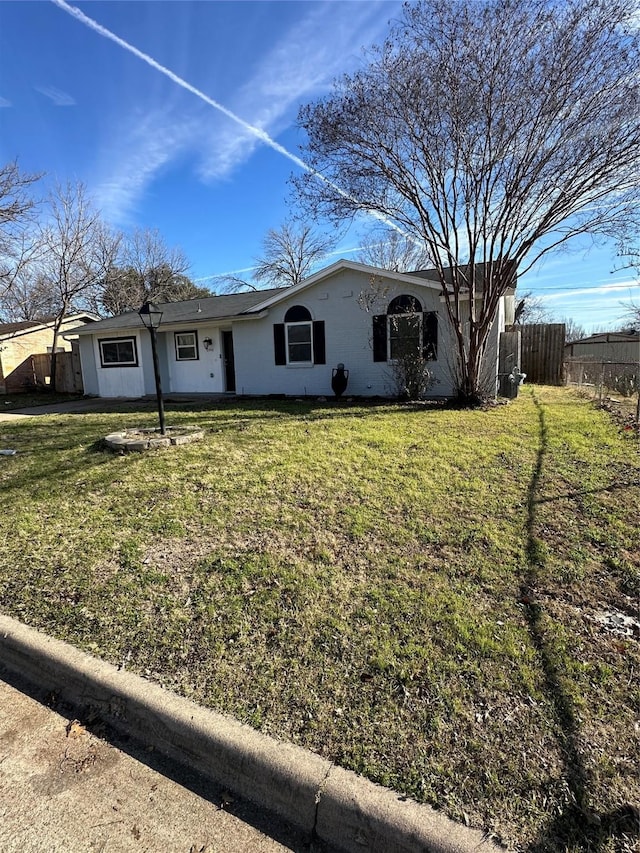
(601, 383)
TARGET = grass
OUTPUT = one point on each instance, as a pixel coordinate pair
(408, 591)
(28, 399)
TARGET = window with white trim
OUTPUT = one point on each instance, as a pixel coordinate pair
(299, 335)
(118, 352)
(186, 346)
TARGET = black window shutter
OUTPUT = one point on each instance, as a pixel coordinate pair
(380, 337)
(430, 335)
(319, 356)
(279, 346)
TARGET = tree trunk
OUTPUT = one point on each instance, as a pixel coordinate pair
(56, 332)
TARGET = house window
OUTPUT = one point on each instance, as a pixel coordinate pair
(299, 335)
(404, 317)
(405, 330)
(299, 341)
(118, 352)
(186, 346)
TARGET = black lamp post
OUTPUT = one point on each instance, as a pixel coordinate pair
(151, 315)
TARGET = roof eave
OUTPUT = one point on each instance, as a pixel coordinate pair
(90, 329)
(328, 272)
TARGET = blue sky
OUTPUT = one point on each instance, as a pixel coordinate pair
(199, 139)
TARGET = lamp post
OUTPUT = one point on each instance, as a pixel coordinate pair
(151, 315)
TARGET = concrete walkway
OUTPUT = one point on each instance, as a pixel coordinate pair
(72, 407)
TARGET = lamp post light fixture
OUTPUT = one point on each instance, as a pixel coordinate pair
(151, 316)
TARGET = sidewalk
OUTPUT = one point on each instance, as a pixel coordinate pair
(217, 757)
(64, 788)
(72, 407)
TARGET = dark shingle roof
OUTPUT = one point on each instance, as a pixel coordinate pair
(9, 328)
(191, 311)
(24, 326)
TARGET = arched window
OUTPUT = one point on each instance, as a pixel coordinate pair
(405, 327)
(405, 330)
(299, 335)
(404, 305)
(296, 314)
(299, 341)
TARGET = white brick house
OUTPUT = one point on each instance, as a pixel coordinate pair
(284, 341)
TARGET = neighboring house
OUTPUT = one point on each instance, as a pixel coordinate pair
(285, 341)
(23, 349)
(614, 347)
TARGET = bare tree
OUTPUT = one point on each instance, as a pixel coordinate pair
(631, 261)
(29, 298)
(16, 205)
(77, 251)
(146, 269)
(531, 309)
(387, 249)
(490, 132)
(632, 313)
(289, 255)
(232, 284)
(573, 331)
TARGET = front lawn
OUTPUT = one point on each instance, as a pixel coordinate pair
(29, 399)
(413, 592)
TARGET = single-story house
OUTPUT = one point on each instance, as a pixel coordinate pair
(286, 340)
(614, 347)
(24, 346)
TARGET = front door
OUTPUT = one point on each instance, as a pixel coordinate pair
(229, 366)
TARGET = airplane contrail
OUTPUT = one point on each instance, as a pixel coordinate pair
(179, 81)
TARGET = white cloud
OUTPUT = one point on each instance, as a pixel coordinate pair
(604, 289)
(299, 66)
(223, 274)
(240, 135)
(59, 98)
(138, 151)
(5, 103)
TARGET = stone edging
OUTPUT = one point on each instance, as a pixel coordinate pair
(138, 440)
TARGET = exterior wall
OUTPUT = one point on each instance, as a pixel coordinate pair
(118, 381)
(492, 354)
(16, 349)
(348, 339)
(205, 375)
(88, 364)
(614, 350)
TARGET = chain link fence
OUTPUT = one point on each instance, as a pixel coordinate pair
(614, 382)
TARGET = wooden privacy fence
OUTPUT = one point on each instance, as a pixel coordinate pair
(69, 372)
(542, 346)
(35, 372)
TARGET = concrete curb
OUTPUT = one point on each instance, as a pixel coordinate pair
(341, 808)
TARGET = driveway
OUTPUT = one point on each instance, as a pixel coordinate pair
(77, 407)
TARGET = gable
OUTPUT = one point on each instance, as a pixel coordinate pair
(351, 271)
